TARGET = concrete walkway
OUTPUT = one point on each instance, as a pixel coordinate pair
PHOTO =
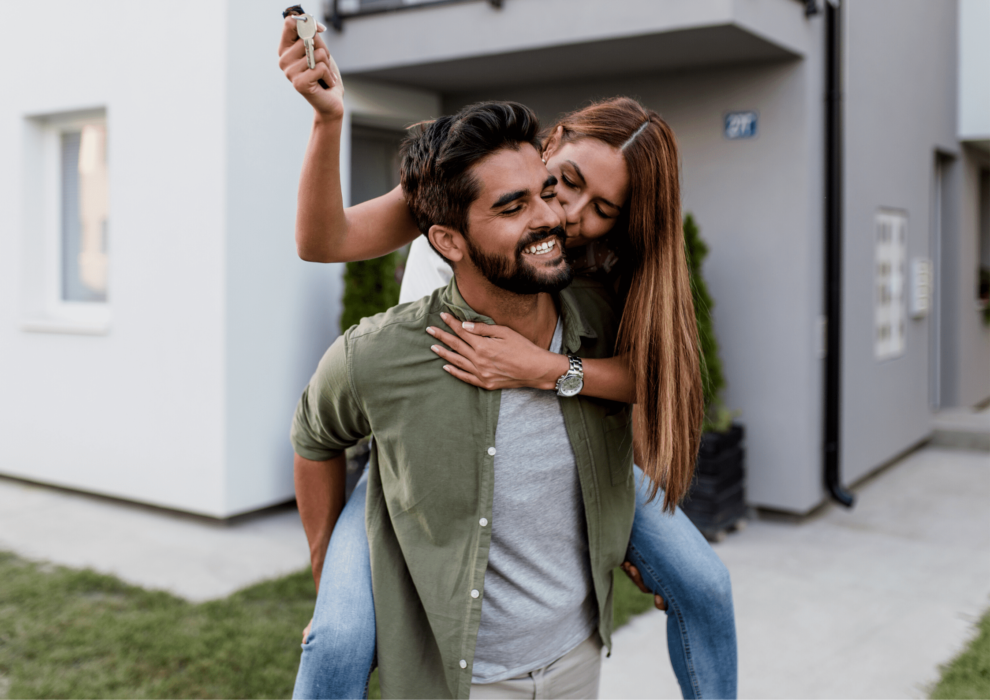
(192, 557)
(844, 604)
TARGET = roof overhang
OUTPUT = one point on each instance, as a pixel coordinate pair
(471, 45)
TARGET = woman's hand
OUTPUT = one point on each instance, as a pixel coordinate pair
(496, 357)
(307, 630)
(328, 103)
(633, 573)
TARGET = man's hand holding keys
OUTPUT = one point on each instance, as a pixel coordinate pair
(304, 58)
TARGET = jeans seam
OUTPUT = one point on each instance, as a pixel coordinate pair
(681, 623)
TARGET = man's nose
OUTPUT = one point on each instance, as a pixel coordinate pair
(552, 215)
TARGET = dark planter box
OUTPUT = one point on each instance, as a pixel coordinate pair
(717, 499)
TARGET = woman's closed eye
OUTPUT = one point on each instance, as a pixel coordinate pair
(570, 184)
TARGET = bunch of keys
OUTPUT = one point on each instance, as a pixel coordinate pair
(306, 28)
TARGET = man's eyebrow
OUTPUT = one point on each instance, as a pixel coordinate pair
(519, 194)
(580, 175)
(509, 197)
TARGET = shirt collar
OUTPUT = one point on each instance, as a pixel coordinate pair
(576, 325)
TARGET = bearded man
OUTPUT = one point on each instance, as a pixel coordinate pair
(495, 518)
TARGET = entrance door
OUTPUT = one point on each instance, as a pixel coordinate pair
(374, 162)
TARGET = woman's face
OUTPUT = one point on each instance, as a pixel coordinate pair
(592, 187)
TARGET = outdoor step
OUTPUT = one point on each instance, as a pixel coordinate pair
(963, 428)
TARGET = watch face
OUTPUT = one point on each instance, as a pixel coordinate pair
(569, 386)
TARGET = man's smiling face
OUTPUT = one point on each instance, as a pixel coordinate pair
(514, 234)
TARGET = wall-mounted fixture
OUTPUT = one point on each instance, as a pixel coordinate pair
(920, 299)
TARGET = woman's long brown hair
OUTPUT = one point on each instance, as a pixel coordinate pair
(658, 331)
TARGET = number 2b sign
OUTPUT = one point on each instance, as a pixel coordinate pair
(740, 125)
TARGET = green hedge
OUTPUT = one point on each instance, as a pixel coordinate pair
(717, 417)
(370, 287)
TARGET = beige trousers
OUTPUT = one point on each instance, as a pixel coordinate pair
(573, 675)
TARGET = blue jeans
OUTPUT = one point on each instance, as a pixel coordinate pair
(339, 654)
(676, 561)
(673, 558)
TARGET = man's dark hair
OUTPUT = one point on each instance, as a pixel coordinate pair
(437, 157)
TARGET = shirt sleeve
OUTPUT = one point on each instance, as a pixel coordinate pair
(425, 271)
(328, 417)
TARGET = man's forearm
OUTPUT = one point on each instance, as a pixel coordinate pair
(320, 498)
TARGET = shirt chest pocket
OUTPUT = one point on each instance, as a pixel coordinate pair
(619, 445)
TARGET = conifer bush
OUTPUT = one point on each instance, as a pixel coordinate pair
(370, 287)
(718, 418)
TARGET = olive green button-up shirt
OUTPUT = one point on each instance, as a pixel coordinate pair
(429, 503)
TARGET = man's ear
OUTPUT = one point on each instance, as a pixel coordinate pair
(553, 143)
(448, 242)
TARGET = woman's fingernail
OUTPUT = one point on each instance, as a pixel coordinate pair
(446, 367)
(468, 325)
(435, 348)
(443, 315)
(431, 330)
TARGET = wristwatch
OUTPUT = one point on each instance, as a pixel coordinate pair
(571, 382)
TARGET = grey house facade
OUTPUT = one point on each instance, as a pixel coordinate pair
(743, 83)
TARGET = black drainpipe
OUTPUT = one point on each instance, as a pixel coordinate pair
(833, 249)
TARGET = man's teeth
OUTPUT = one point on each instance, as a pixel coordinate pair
(542, 248)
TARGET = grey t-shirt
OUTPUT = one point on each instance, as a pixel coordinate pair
(538, 599)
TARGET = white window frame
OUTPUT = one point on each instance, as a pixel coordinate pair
(44, 309)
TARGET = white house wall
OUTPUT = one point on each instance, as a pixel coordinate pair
(282, 312)
(136, 412)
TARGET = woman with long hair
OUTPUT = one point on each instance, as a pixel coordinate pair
(617, 168)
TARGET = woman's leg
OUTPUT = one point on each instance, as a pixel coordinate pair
(339, 653)
(677, 562)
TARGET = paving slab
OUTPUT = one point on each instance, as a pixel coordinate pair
(190, 556)
(846, 604)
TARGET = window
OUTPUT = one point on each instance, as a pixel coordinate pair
(84, 205)
(67, 208)
(889, 301)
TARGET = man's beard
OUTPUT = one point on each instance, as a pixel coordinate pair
(518, 276)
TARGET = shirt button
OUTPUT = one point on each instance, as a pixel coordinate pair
(463, 663)
(483, 522)
(491, 451)
(474, 593)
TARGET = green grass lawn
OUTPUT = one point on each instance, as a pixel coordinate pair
(77, 634)
(968, 675)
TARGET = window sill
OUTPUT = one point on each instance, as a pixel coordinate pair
(66, 326)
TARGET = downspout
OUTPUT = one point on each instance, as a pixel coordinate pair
(833, 250)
